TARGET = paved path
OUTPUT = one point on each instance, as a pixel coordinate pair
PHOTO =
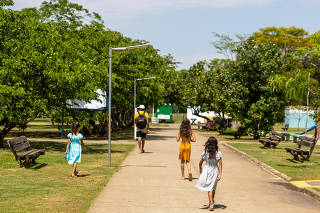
(151, 183)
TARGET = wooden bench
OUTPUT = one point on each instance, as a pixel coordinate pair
(273, 140)
(305, 142)
(21, 143)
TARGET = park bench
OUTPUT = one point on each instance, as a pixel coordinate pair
(303, 141)
(208, 126)
(21, 143)
(273, 140)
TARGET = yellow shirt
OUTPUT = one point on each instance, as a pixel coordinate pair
(141, 113)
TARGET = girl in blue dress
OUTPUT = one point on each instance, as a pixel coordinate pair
(74, 147)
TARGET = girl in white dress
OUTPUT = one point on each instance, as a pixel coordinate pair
(212, 171)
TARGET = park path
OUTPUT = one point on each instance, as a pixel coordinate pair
(150, 183)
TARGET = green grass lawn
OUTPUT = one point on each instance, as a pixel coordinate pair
(225, 138)
(178, 117)
(159, 125)
(46, 130)
(282, 161)
(278, 127)
(48, 187)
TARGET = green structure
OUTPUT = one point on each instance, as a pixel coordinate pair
(164, 113)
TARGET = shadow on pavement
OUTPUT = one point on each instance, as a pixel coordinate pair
(286, 185)
(216, 206)
(155, 129)
(220, 206)
(192, 178)
(160, 137)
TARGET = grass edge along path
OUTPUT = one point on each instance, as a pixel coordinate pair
(48, 186)
(282, 162)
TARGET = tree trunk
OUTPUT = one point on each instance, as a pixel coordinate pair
(1, 141)
(4, 132)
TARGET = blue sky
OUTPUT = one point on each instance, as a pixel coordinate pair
(184, 28)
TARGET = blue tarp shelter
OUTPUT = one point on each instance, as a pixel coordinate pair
(299, 118)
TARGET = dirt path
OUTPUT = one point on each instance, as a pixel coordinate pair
(151, 182)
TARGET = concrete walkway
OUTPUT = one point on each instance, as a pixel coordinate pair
(150, 183)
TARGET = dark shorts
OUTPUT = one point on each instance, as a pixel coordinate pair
(141, 135)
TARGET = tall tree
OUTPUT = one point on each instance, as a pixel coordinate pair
(287, 39)
(41, 67)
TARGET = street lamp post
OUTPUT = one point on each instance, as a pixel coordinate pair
(134, 100)
(110, 86)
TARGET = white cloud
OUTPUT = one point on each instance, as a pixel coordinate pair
(127, 9)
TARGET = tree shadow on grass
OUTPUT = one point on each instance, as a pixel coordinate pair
(61, 147)
(83, 175)
(100, 149)
(36, 134)
(270, 148)
(47, 132)
(295, 161)
(301, 166)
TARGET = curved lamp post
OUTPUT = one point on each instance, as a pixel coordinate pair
(110, 86)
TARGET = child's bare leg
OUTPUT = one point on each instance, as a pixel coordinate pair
(188, 166)
(189, 170)
(182, 169)
(142, 148)
(211, 199)
(139, 144)
(213, 193)
(74, 169)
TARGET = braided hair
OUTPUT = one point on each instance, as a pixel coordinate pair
(185, 128)
(211, 147)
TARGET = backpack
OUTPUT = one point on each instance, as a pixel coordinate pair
(141, 120)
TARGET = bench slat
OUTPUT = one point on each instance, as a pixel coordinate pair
(19, 144)
(268, 143)
(25, 154)
(273, 137)
(31, 153)
(279, 134)
(305, 143)
(305, 138)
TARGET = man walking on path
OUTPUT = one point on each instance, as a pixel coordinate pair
(141, 119)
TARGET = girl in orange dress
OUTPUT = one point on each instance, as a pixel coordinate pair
(187, 136)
